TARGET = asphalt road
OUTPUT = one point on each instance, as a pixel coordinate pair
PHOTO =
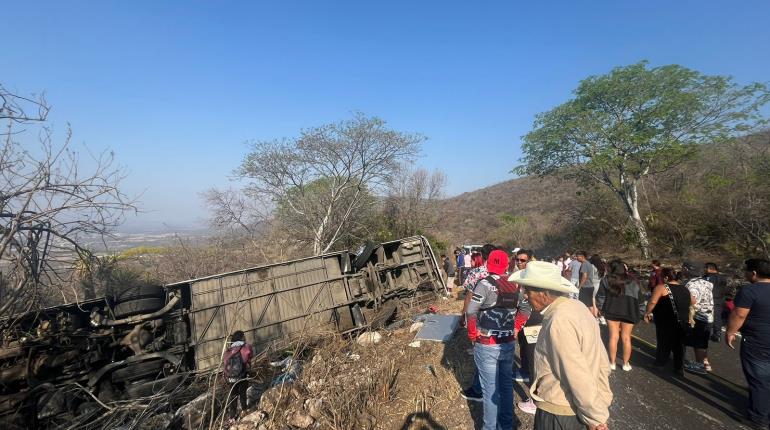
(652, 398)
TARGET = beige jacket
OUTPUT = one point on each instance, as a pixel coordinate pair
(571, 365)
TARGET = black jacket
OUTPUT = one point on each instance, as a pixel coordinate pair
(626, 307)
(720, 286)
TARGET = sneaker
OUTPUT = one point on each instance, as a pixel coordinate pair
(612, 366)
(471, 395)
(520, 376)
(527, 407)
(627, 367)
(698, 368)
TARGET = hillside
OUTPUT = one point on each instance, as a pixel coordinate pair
(715, 204)
(536, 210)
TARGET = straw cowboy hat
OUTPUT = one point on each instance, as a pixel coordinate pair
(543, 275)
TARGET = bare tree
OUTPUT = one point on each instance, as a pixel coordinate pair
(232, 210)
(19, 109)
(322, 182)
(411, 201)
(49, 207)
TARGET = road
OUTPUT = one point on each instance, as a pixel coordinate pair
(651, 398)
(645, 398)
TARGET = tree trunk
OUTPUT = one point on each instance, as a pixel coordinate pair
(630, 199)
(641, 233)
(317, 241)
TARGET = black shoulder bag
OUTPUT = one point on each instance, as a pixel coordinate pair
(686, 327)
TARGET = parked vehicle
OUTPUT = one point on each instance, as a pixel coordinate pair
(141, 340)
(470, 249)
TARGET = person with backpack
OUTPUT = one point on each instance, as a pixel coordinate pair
(473, 393)
(702, 292)
(236, 367)
(490, 320)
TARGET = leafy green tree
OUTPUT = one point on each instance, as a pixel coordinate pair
(513, 230)
(638, 121)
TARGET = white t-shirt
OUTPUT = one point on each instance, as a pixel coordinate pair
(701, 290)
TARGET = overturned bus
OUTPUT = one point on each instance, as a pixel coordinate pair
(59, 363)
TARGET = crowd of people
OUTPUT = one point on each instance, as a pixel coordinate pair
(553, 308)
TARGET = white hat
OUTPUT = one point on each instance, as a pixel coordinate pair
(544, 275)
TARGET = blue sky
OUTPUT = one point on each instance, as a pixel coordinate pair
(175, 89)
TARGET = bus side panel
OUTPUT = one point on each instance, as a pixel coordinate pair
(267, 303)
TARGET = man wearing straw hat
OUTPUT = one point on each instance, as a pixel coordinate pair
(571, 385)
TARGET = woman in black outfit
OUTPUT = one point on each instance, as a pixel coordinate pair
(670, 318)
(618, 299)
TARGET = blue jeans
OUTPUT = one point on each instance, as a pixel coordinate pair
(756, 368)
(494, 365)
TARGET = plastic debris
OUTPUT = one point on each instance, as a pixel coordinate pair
(291, 369)
(369, 338)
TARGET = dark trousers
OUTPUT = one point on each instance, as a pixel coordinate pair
(527, 355)
(670, 338)
(237, 392)
(716, 329)
(586, 295)
(756, 368)
(548, 421)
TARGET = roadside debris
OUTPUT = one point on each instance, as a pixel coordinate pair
(302, 420)
(416, 326)
(437, 327)
(194, 414)
(289, 373)
(369, 338)
(255, 417)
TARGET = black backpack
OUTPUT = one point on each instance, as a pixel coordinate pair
(507, 293)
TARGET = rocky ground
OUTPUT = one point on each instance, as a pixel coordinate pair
(347, 383)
